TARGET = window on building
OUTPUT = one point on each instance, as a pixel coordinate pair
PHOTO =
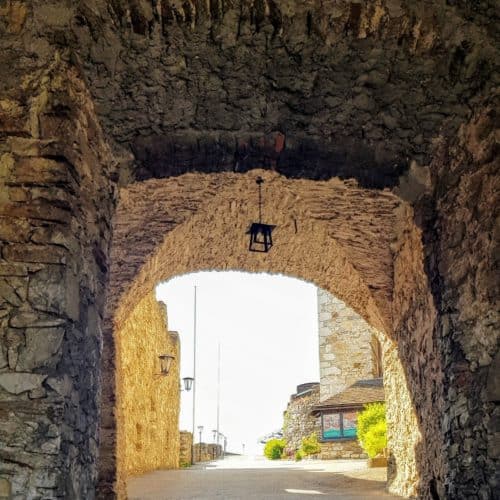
(339, 425)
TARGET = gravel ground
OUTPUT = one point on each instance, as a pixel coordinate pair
(255, 478)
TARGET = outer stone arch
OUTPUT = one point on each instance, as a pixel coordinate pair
(74, 101)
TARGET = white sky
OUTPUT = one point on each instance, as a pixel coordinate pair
(268, 330)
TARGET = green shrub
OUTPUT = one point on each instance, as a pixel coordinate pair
(274, 448)
(373, 413)
(299, 455)
(375, 439)
(310, 445)
(372, 429)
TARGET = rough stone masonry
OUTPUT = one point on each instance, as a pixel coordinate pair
(390, 106)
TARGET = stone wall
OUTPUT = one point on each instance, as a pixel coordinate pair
(56, 201)
(331, 450)
(206, 452)
(298, 422)
(224, 80)
(412, 384)
(347, 346)
(186, 448)
(147, 402)
(464, 262)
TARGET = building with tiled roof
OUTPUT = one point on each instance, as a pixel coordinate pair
(338, 415)
(357, 395)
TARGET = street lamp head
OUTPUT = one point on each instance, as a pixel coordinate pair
(188, 383)
(200, 428)
(165, 363)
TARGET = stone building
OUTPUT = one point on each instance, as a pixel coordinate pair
(298, 421)
(337, 417)
(350, 363)
(131, 134)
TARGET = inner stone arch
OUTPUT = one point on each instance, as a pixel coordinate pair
(333, 233)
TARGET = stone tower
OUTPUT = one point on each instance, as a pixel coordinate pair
(348, 346)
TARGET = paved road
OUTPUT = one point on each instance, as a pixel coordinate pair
(258, 479)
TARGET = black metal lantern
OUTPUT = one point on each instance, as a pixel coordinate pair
(261, 239)
(188, 383)
(165, 363)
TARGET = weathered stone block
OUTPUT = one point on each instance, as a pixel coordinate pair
(10, 269)
(33, 170)
(62, 385)
(29, 318)
(14, 230)
(5, 488)
(43, 254)
(3, 357)
(39, 210)
(8, 293)
(17, 383)
(6, 164)
(41, 345)
(493, 386)
(37, 393)
(27, 146)
(46, 289)
(56, 234)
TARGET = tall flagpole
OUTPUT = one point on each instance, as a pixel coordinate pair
(194, 375)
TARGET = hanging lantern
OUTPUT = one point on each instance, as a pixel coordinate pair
(261, 239)
(165, 363)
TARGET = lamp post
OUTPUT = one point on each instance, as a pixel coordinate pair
(223, 447)
(214, 445)
(193, 382)
(200, 430)
(218, 391)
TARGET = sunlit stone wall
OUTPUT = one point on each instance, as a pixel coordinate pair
(147, 402)
(186, 448)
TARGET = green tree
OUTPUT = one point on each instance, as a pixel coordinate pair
(274, 448)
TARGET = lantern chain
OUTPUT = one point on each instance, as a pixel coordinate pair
(259, 182)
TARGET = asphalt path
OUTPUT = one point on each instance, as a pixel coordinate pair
(255, 478)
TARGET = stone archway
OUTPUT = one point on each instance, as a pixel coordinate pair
(393, 94)
(333, 233)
